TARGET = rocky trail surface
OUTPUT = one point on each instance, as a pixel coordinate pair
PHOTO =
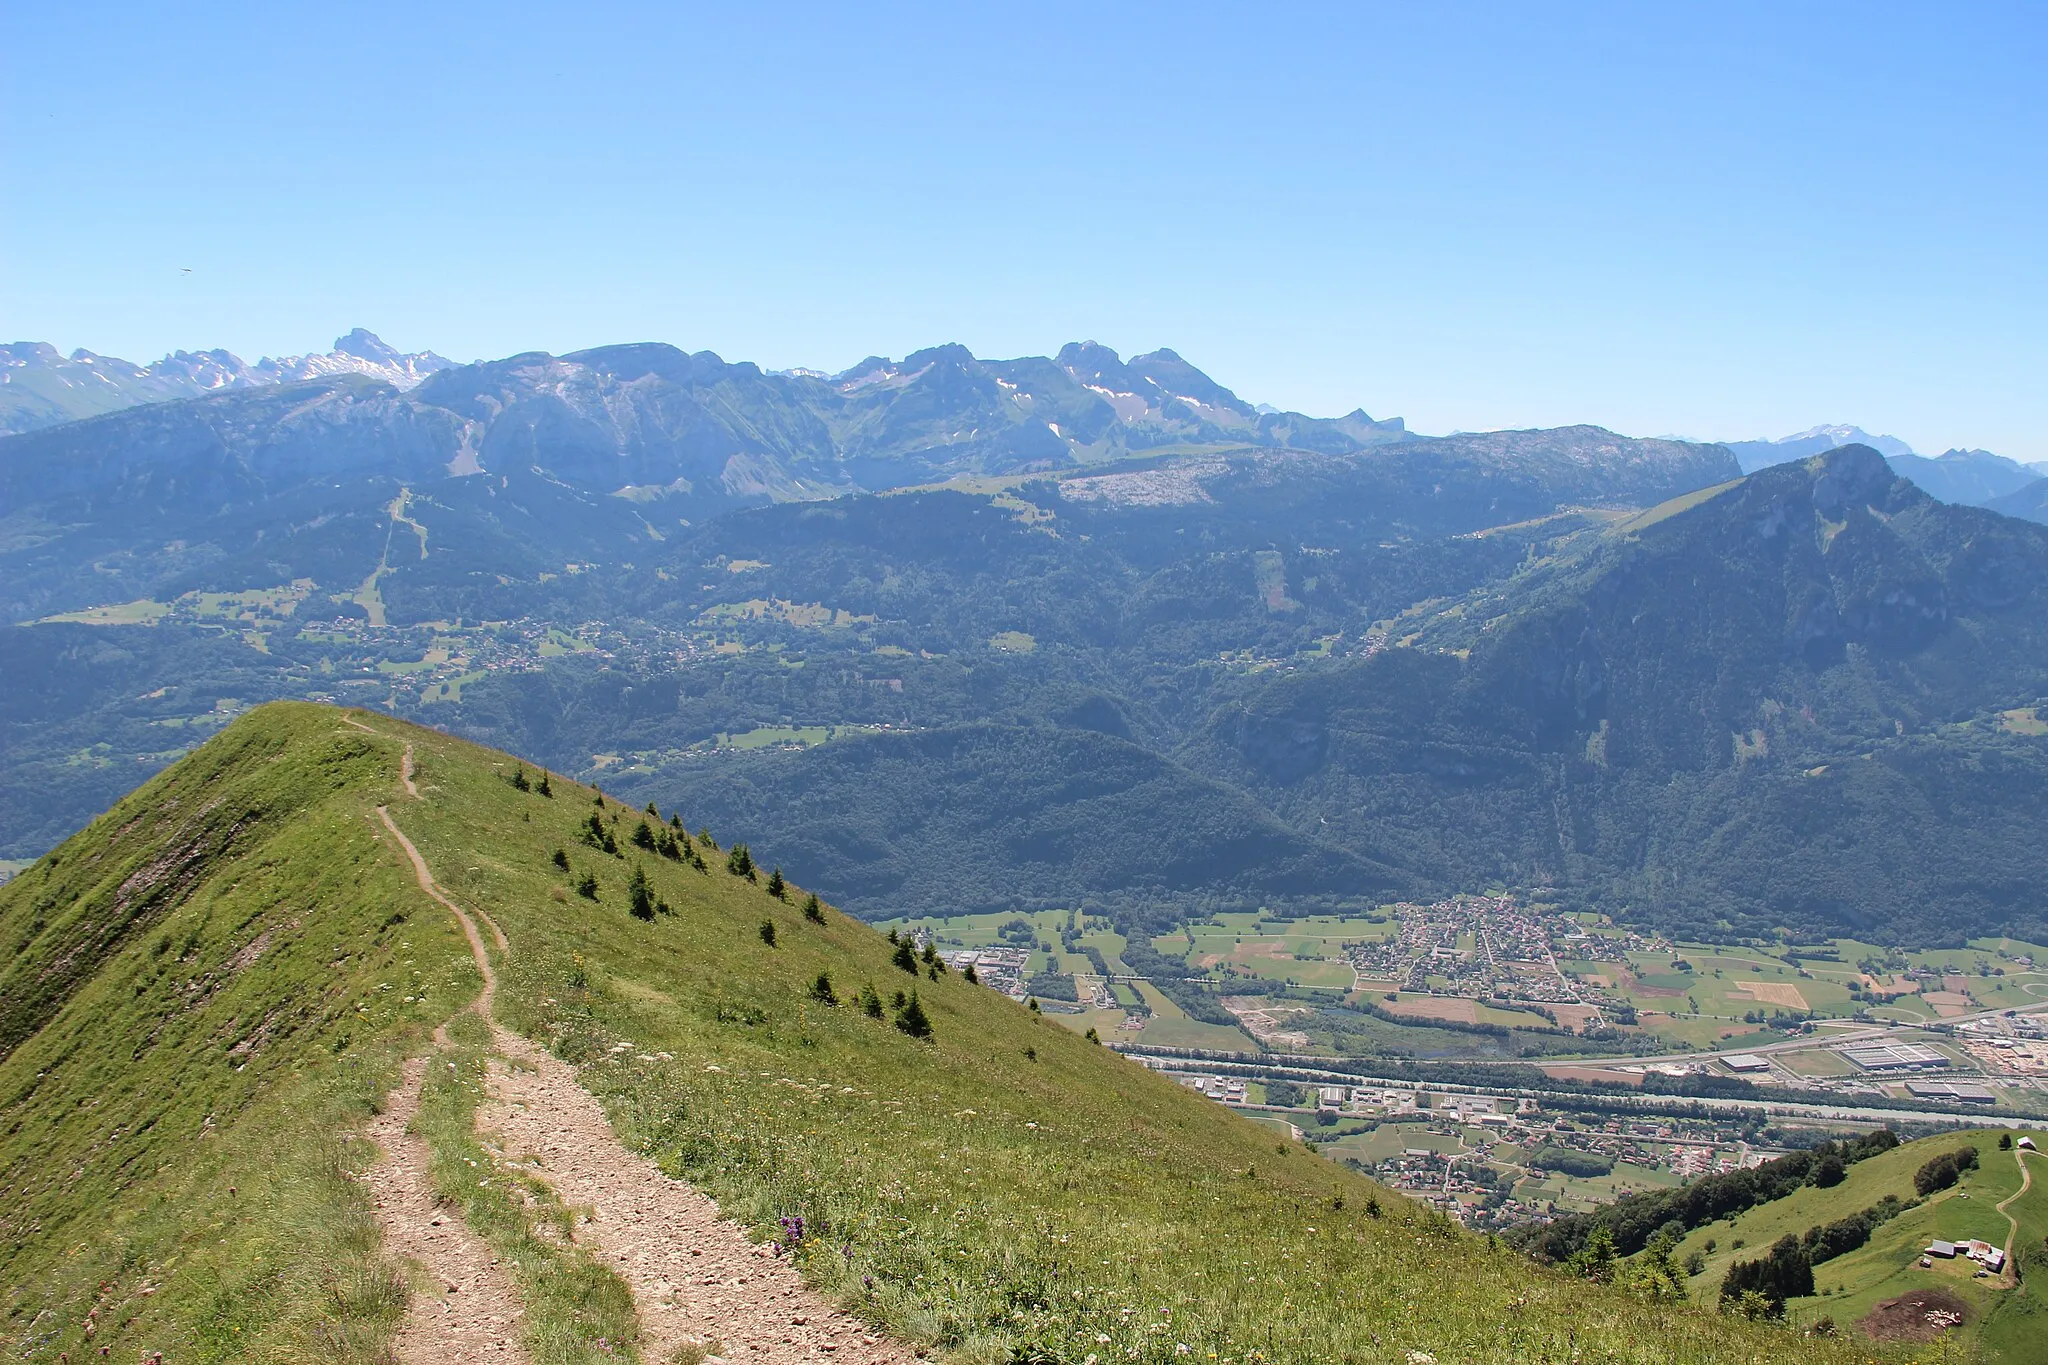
(699, 1284)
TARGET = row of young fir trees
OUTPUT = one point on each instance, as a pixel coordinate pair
(670, 840)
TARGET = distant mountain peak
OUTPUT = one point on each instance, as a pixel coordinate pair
(367, 345)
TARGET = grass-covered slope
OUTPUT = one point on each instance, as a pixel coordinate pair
(2008, 1322)
(208, 988)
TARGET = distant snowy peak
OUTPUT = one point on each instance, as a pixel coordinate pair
(360, 352)
(40, 387)
(1755, 455)
(1845, 435)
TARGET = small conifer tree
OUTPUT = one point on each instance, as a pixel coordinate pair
(597, 799)
(562, 859)
(904, 957)
(1092, 1036)
(813, 911)
(892, 936)
(639, 895)
(587, 887)
(931, 953)
(1032, 1005)
(704, 837)
(544, 789)
(768, 932)
(653, 814)
(911, 1018)
(897, 1001)
(870, 1000)
(740, 862)
(675, 822)
(972, 977)
(643, 836)
(519, 781)
(776, 887)
(821, 990)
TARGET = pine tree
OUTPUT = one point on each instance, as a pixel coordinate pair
(740, 862)
(643, 836)
(1032, 1005)
(775, 884)
(653, 814)
(519, 781)
(870, 1001)
(562, 859)
(1092, 1036)
(970, 976)
(704, 838)
(892, 936)
(931, 953)
(587, 887)
(821, 990)
(813, 912)
(639, 895)
(675, 822)
(911, 1018)
(544, 789)
(768, 932)
(905, 958)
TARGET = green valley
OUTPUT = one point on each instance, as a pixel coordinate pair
(212, 985)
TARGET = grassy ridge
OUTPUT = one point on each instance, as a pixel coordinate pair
(174, 1146)
(1006, 1189)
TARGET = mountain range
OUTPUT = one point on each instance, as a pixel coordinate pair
(946, 632)
(39, 387)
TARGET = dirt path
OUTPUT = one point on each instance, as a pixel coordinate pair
(463, 1307)
(472, 1312)
(696, 1278)
(2012, 1236)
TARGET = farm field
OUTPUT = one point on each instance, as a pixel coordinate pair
(1683, 996)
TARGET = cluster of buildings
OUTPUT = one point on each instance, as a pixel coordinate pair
(2009, 1044)
(1479, 947)
(1000, 968)
(1983, 1253)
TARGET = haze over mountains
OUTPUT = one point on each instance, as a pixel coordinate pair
(949, 632)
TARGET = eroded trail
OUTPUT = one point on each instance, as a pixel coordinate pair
(467, 1310)
(697, 1280)
(695, 1276)
(463, 1306)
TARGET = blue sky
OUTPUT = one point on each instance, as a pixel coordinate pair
(1719, 220)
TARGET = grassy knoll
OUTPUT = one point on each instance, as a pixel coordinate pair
(180, 1091)
(2003, 1319)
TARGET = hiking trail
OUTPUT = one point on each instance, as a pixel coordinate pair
(2012, 1237)
(698, 1282)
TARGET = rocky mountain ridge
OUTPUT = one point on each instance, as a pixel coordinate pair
(41, 387)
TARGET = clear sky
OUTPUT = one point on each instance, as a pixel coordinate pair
(1720, 220)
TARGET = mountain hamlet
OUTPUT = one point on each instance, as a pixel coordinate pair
(1078, 866)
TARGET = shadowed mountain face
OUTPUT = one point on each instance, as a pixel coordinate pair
(1785, 705)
